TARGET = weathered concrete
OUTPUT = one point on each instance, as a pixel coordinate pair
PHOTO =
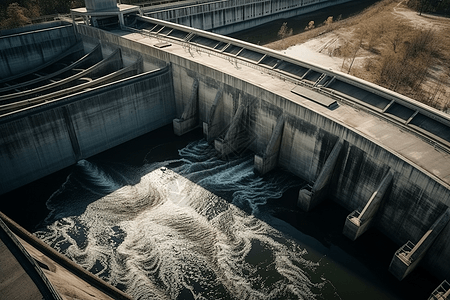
(189, 118)
(20, 276)
(99, 5)
(407, 257)
(235, 138)
(212, 128)
(373, 142)
(269, 160)
(314, 194)
(54, 135)
(310, 133)
(65, 279)
(442, 292)
(23, 51)
(358, 222)
(229, 16)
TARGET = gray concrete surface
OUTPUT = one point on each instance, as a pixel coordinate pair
(20, 277)
(371, 143)
(225, 17)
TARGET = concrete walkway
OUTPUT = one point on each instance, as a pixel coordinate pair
(31, 272)
(402, 143)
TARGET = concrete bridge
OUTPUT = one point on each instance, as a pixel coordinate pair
(225, 17)
(381, 155)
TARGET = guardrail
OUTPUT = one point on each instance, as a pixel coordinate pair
(192, 47)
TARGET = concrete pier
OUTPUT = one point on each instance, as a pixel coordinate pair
(225, 17)
(269, 160)
(235, 138)
(358, 222)
(212, 128)
(408, 256)
(189, 118)
(31, 269)
(310, 197)
(381, 129)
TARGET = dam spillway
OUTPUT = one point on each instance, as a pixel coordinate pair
(247, 102)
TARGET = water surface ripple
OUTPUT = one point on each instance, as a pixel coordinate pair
(190, 228)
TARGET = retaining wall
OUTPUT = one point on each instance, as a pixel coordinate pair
(46, 138)
(225, 17)
(41, 140)
(415, 199)
(21, 51)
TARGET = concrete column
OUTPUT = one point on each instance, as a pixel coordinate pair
(269, 160)
(72, 134)
(311, 196)
(442, 292)
(235, 138)
(358, 222)
(214, 127)
(121, 20)
(189, 117)
(408, 256)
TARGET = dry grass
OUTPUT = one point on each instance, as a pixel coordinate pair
(402, 51)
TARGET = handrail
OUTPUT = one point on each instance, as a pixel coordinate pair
(428, 137)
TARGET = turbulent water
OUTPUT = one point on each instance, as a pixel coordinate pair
(161, 231)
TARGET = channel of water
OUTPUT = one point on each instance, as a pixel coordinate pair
(268, 32)
(162, 217)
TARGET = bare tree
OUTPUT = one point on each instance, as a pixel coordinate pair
(16, 16)
(284, 31)
(310, 25)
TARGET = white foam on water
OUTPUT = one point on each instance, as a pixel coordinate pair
(165, 235)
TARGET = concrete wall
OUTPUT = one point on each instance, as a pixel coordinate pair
(225, 17)
(415, 199)
(22, 51)
(44, 139)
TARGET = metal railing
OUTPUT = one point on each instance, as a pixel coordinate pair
(404, 251)
(442, 292)
(237, 61)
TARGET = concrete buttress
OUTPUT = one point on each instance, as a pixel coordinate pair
(189, 117)
(72, 134)
(235, 138)
(311, 196)
(213, 127)
(358, 222)
(442, 292)
(409, 255)
(269, 160)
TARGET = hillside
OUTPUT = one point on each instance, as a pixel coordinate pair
(388, 44)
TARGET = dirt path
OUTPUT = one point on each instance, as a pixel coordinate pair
(319, 47)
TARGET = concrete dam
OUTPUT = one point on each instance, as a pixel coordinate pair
(225, 17)
(380, 155)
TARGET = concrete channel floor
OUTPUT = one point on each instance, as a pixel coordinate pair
(402, 143)
(15, 283)
(27, 273)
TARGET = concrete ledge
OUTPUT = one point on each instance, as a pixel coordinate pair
(64, 261)
(401, 265)
(354, 227)
(181, 126)
(262, 165)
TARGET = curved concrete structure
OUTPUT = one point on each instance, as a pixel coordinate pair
(348, 138)
(229, 16)
(246, 86)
